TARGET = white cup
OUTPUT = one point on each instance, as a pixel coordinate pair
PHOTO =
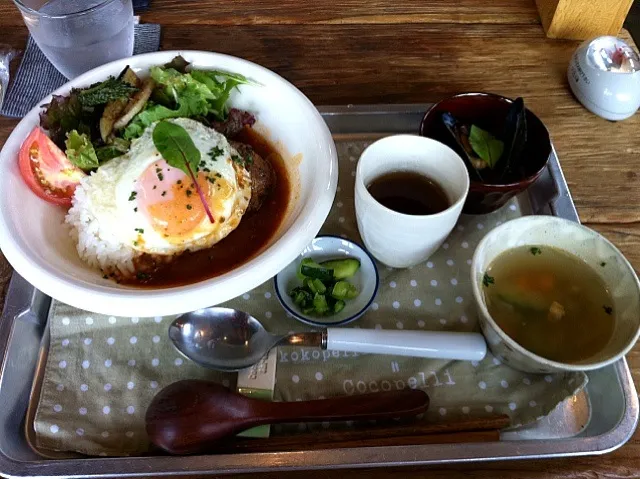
(399, 240)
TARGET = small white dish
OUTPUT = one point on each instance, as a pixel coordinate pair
(324, 248)
(582, 242)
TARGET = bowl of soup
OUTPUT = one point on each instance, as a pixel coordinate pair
(553, 296)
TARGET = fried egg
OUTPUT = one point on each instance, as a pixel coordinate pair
(141, 203)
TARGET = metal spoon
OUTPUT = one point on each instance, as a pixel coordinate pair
(229, 340)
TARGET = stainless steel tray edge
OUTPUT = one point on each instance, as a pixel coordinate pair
(23, 313)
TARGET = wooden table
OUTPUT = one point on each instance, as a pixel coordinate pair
(402, 51)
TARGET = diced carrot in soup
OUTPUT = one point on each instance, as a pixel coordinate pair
(545, 281)
(523, 281)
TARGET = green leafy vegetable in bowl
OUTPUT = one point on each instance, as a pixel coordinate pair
(492, 157)
(325, 289)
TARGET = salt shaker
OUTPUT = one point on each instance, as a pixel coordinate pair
(604, 75)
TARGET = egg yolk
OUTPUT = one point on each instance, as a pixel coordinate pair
(170, 201)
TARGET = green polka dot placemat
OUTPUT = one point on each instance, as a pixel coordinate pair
(102, 372)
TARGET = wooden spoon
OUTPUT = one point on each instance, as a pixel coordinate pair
(189, 416)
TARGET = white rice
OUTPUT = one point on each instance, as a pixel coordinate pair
(95, 245)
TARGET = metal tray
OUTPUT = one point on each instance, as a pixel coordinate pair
(598, 420)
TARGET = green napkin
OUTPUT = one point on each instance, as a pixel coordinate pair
(102, 372)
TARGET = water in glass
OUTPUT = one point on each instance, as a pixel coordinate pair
(78, 35)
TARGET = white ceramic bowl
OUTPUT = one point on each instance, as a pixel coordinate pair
(35, 241)
(324, 248)
(587, 245)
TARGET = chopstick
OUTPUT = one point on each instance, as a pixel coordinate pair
(480, 429)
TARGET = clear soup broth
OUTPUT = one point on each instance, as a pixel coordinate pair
(550, 302)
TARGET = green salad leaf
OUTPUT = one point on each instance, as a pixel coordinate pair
(221, 84)
(175, 84)
(486, 146)
(189, 97)
(80, 150)
(74, 120)
(198, 93)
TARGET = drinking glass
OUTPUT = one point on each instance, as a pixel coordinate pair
(78, 35)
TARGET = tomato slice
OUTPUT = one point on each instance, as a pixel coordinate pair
(46, 169)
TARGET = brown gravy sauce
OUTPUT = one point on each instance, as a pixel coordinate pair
(243, 243)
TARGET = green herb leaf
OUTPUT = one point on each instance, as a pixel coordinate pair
(106, 91)
(535, 251)
(215, 152)
(487, 280)
(176, 146)
(80, 150)
(487, 146)
(243, 161)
